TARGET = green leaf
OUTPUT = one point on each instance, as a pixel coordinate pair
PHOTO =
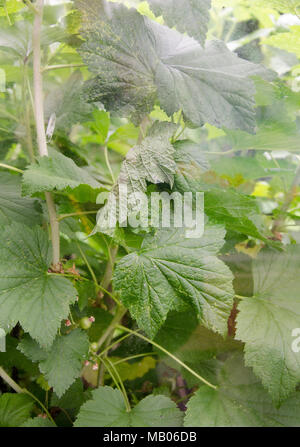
(239, 401)
(266, 321)
(68, 104)
(28, 293)
(12, 358)
(11, 7)
(38, 422)
(135, 60)
(190, 153)
(286, 41)
(17, 39)
(14, 207)
(62, 364)
(107, 409)
(270, 136)
(150, 161)
(187, 15)
(57, 172)
(73, 398)
(171, 270)
(238, 212)
(14, 409)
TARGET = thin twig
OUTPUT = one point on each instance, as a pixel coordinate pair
(20, 390)
(177, 360)
(58, 67)
(11, 168)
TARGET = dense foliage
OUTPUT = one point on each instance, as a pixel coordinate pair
(137, 325)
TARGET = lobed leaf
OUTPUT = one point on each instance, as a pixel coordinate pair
(107, 409)
(171, 271)
(266, 321)
(28, 293)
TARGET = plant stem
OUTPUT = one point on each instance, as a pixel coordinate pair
(10, 381)
(11, 168)
(57, 67)
(7, 15)
(106, 280)
(27, 113)
(143, 129)
(88, 265)
(107, 348)
(40, 120)
(79, 213)
(136, 356)
(128, 408)
(116, 320)
(169, 354)
(41, 404)
(32, 7)
(108, 164)
(18, 389)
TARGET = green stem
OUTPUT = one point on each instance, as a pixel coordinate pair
(27, 114)
(112, 375)
(116, 320)
(88, 265)
(240, 297)
(7, 15)
(168, 353)
(40, 120)
(109, 294)
(106, 280)
(57, 67)
(11, 168)
(10, 381)
(18, 389)
(136, 356)
(107, 348)
(108, 164)
(79, 213)
(128, 408)
(32, 7)
(41, 405)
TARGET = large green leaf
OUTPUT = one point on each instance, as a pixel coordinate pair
(62, 364)
(14, 207)
(136, 60)
(14, 409)
(56, 172)
(150, 161)
(107, 409)
(189, 16)
(266, 321)
(239, 401)
(170, 270)
(28, 293)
